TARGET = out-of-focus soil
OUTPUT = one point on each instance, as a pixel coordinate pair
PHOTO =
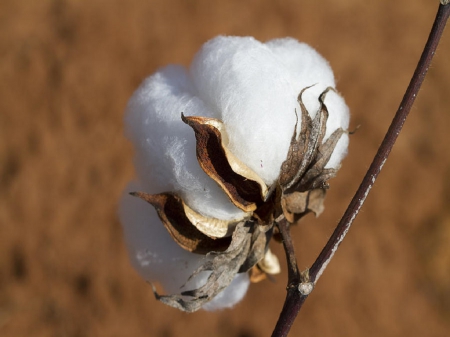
(67, 69)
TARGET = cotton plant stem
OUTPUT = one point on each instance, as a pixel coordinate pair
(293, 273)
(294, 300)
(385, 147)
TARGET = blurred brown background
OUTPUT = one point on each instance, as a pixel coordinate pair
(67, 69)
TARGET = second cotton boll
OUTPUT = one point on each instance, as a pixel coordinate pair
(252, 87)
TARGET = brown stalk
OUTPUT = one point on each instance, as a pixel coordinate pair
(294, 299)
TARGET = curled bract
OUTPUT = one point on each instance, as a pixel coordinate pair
(241, 184)
(238, 158)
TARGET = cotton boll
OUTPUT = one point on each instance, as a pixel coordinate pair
(157, 258)
(243, 80)
(165, 146)
(252, 87)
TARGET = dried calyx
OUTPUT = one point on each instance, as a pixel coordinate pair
(241, 245)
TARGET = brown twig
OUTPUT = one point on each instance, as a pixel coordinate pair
(294, 299)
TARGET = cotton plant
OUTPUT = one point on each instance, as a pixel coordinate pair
(246, 137)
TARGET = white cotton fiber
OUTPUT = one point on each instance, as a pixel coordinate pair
(157, 258)
(249, 85)
(252, 87)
(153, 252)
(305, 64)
(165, 146)
(308, 68)
(243, 80)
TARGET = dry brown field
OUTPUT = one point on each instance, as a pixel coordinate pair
(67, 69)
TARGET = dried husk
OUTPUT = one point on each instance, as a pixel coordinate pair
(246, 243)
(243, 186)
(297, 204)
(303, 177)
(172, 211)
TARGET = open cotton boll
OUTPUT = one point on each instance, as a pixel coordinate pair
(157, 258)
(165, 157)
(252, 87)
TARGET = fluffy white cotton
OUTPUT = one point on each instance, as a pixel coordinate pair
(243, 81)
(252, 87)
(157, 258)
(165, 146)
